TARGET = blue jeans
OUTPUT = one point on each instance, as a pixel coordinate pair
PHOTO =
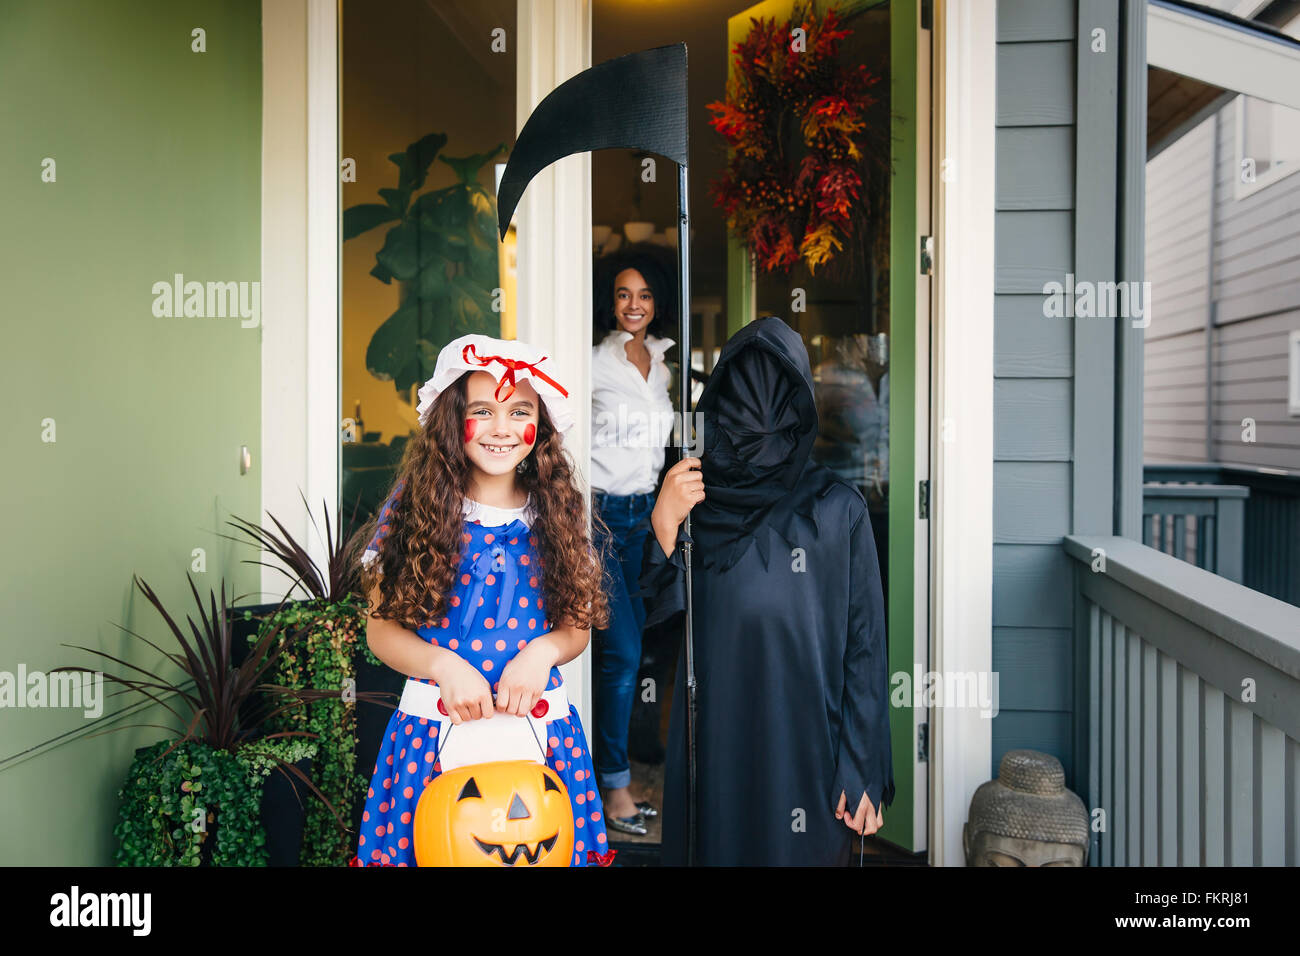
(628, 517)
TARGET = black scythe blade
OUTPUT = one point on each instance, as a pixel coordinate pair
(636, 101)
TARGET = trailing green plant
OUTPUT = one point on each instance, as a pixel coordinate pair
(317, 658)
(322, 658)
(221, 706)
(195, 805)
(443, 249)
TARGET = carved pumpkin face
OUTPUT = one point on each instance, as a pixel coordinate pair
(508, 813)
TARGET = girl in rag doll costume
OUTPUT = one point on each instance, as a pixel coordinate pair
(482, 581)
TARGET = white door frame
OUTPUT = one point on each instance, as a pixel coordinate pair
(301, 203)
(553, 225)
(965, 87)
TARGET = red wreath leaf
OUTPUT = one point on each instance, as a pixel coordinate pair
(767, 197)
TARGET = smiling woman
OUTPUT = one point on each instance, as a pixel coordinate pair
(629, 409)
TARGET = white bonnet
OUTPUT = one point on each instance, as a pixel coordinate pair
(510, 361)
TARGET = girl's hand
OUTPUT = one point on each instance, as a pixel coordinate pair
(682, 490)
(523, 679)
(867, 820)
(465, 692)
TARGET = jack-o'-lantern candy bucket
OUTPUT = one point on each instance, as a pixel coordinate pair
(504, 813)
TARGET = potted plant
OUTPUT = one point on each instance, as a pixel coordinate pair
(196, 800)
(320, 653)
(444, 252)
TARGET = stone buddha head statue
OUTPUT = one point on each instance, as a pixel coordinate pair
(1026, 817)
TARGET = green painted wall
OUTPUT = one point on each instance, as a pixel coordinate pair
(158, 171)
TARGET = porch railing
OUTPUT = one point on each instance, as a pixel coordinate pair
(1271, 537)
(1192, 685)
(1203, 524)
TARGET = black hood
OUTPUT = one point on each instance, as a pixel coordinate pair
(759, 419)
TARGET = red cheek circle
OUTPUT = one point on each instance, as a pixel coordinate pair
(469, 429)
(530, 433)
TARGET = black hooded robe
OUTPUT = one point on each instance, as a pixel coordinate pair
(790, 650)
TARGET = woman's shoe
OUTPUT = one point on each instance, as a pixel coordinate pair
(646, 810)
(634, 824)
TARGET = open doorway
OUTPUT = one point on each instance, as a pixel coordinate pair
(865, 324)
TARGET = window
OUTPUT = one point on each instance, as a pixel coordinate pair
(1268, 144)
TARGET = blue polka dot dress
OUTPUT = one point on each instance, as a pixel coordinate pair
(495, 609)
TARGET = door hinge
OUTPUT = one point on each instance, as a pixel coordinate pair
(923, 743)
(923, 498)
(927, 255)
(927, 14)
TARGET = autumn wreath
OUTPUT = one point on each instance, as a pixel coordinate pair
(795, 119)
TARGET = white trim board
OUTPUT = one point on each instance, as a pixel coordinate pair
(1222, 56)
(300, 271)
(961, 741)
(553, 224)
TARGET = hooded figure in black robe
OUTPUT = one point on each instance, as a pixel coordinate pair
(790, 652)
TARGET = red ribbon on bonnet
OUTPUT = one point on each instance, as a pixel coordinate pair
(508, 376)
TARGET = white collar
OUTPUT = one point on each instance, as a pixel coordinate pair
(490, 516)
(656, 345)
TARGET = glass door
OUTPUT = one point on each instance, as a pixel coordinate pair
(863, 313)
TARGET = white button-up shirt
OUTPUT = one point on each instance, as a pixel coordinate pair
(631, 417)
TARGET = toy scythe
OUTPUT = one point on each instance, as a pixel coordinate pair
(636, 101)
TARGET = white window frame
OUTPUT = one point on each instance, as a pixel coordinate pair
(1242, 189)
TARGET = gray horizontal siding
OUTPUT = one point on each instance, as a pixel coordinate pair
(1033, 389)
(1028, 344)
(1035, 167)
(1031, 249)
(1173, 410)
(1027, 20)
(1178, 231)
(1034, 668)
(1036, 82)
(1256, 263)
(1031, 501)
(1032, 586)
(1031, 419)
(1047, 731)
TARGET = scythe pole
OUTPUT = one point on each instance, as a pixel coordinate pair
(684, 319)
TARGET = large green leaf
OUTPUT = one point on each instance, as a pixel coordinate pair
(364, 217)
(471, 308)
(397, 199)
(432, 284)
(484, 253)
(444, 230)
(413, 165)
(409, 249)
(467, 167)
(393, 354)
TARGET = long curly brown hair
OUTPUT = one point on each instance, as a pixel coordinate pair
(422, 550)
